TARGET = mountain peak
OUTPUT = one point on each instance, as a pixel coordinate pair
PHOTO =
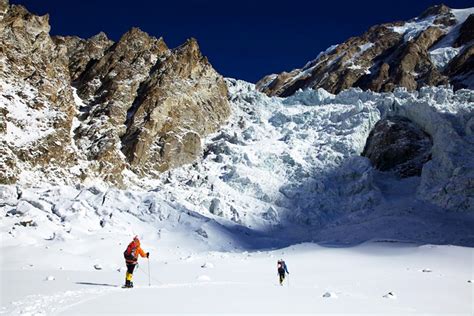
(135, 87)
(438, 9)
(24, 21)
(4, 4)
(135, 33)
(101, 36)
(410, 54)
(191, 45)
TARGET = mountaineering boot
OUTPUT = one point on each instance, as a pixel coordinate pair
(128, 280)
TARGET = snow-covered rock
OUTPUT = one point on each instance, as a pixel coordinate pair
(121, 114)
(432, 49)
(97, 266)
(390, 295)
(207, 265)
(329, 295)
(9, 195)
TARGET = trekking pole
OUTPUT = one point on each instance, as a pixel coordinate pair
(149, 273)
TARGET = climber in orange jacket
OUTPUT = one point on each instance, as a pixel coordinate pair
(131, 259)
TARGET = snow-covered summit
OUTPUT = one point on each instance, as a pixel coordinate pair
(430, 50)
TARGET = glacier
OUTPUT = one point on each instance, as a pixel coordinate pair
(281, 171)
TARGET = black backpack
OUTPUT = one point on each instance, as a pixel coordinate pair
(129, 253)
(281, 266)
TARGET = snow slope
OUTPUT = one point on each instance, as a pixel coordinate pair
(246, 282)
(443, 52)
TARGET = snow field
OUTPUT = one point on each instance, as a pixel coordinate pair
(357, 279)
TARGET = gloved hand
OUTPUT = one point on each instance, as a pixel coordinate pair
(148, 255)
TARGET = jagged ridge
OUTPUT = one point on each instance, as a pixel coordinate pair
(433, 49)
(139, 105)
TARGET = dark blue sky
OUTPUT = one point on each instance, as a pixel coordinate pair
(243, 39)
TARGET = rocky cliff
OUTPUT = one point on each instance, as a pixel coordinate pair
(36, 99)
(397, 144)
(433, 49)
(78, 108)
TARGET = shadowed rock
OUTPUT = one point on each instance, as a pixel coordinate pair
(83, 53)
(397, 144)
(461, 68)
(466, 32)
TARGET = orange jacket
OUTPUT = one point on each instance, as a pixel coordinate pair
(133, 250)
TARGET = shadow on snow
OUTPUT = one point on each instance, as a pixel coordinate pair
(97, 284)
(353, 204)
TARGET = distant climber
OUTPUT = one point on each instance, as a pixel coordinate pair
(131, 259)
(282, 268)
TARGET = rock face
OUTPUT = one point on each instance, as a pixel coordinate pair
(36, 100)
(139, 105)
(397, 144)
(461, 69)
(83, 53)
(387, 56)
(180, 101)
(466, 32)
